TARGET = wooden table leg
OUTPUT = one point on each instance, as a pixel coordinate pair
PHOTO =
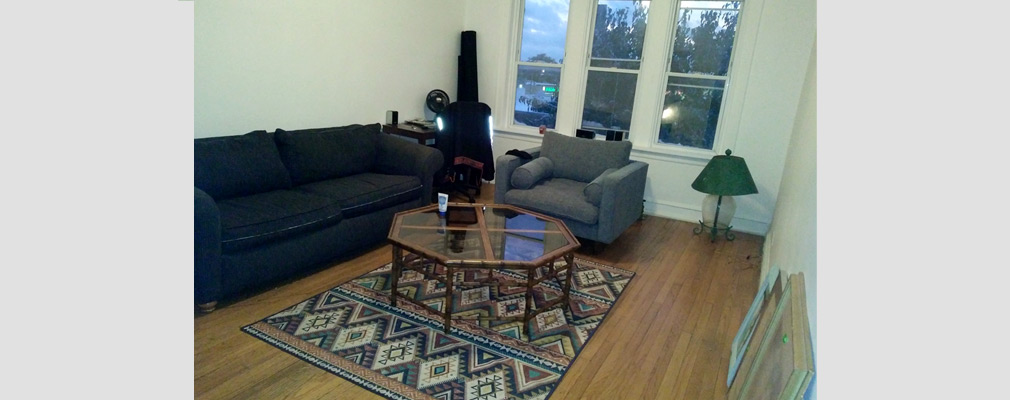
(397, 270)
(570, 260)
(447, 308)
(530, 282)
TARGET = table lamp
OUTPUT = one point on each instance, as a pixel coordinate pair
(724, 177)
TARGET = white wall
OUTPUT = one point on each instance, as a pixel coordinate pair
(791, 244)
(491, 20)
(775, 39)
(267, 64)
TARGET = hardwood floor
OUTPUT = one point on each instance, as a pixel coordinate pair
(668, 337)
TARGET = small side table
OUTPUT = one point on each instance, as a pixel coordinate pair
(422, 135)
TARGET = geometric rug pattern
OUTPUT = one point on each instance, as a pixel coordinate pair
(403, 353)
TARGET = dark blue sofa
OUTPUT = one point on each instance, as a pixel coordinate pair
(270, 205)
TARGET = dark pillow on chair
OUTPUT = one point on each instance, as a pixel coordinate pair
(532, 172)
(312, 155)
(233, 166)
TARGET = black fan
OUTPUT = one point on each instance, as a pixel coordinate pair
(436, 102)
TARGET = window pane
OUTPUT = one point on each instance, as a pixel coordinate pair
(545, 23)
(704, 37)
(690, 112)
(609, 100)
(537, 96)
(618, 33)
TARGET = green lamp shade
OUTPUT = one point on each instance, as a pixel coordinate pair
(725, 176)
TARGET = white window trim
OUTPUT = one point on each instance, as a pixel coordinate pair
(508, 81)
(587, 66)
(734, 91)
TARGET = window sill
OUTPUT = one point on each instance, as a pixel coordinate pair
(518, 133)
(681, 156)
(670, 153)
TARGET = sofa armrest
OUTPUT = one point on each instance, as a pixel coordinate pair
(206, 248)
(400, 157)
(504, 166)
(623, 192)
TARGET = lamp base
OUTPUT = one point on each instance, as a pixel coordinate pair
(716, 213)
(714, 230)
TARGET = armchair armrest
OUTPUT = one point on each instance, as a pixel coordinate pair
(623, 192)
(206, 248)
(504, 166)
(400, 157)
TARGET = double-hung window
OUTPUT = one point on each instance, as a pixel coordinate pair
(615, 58)
(698, 72)
(538, 71)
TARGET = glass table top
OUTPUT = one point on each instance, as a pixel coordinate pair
(482, 232)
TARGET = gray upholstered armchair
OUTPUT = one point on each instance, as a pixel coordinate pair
(592, 185)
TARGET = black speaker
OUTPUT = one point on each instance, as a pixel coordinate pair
(466, 89)
(392, 117)
(617, 135)
(585, 134)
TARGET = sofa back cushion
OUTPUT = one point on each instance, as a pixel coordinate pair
(232, 166)
(313, 155)
(583, 159)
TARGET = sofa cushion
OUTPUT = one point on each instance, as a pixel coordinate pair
(231, 166)
(253, 220)
(583, 160)
(532, 172)
(555, 197)
(312, 155)
(594, 190)
(364, 193)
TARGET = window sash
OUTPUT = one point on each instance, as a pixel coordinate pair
(513, 113)
(695, 80)
(608, 69)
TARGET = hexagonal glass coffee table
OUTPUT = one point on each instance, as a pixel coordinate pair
(477, 245)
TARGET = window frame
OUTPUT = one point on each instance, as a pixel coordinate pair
(587, 67)
(723, 139)
(651, 83)
(515, 61)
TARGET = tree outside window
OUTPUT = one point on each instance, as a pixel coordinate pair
(699, 72)
(618, 36)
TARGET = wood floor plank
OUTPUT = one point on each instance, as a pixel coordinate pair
(668, 337)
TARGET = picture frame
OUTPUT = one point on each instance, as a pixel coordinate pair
(778, 363)
(749, 324)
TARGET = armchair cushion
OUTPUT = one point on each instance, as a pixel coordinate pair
(232, 166)
(313, 155)
(594, 190)
(532, 172)
(556, 197)
(569, 155)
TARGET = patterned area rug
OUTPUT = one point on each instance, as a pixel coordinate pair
(403, 353)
